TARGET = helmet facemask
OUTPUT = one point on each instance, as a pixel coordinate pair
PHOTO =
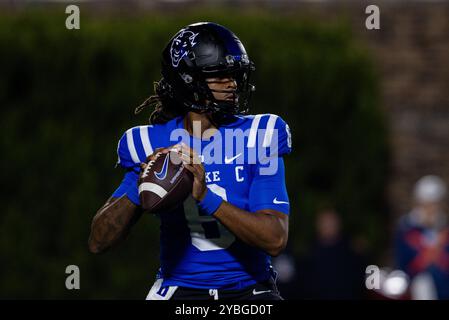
(206, 101)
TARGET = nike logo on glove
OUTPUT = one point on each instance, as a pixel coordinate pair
(255, 293)
(229, 160)
(276, 201)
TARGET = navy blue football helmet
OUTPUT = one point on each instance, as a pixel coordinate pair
(201, 51)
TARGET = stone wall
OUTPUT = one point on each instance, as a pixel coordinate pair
(412, 53)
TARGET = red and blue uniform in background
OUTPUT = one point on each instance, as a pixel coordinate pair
(424, 250)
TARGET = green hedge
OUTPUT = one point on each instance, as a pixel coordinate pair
(67, 96)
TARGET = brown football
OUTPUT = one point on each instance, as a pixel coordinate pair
(164, 183)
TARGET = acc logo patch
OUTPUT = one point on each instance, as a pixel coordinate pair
(181, 44)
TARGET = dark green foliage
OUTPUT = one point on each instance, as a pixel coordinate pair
(67, 96)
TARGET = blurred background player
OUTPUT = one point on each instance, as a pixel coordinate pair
(422, 241)
(332, 268)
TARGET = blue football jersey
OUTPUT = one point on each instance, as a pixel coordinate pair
(244, 166)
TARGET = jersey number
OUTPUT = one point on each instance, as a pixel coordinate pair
(206, 232)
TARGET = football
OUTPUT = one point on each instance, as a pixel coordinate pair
(164, 183)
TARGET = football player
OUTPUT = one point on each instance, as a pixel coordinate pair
(218, 243)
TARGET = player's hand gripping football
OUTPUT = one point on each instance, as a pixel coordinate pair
(192, 162)
(152, 157)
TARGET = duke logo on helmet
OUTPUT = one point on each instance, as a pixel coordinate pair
(184, 41)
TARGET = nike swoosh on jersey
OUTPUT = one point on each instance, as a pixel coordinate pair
(255, 293)
(276, 201)
(163, 173)
(229, 160)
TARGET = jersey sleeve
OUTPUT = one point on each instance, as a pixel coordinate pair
(129, 187)
(284, 138)
(269, 136)
(128, 160)
(269, 191)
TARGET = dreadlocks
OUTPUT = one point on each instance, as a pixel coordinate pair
(164, 106)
